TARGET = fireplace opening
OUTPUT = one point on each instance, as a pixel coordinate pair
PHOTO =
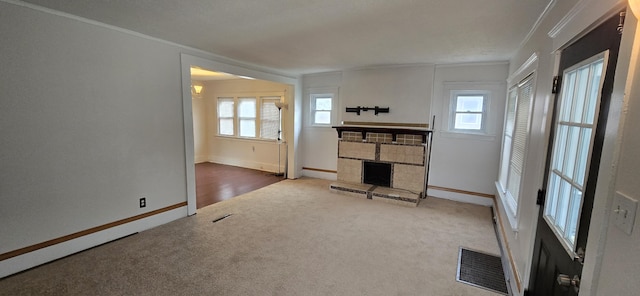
(376, 173)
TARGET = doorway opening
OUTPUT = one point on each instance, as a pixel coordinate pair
(231, 119)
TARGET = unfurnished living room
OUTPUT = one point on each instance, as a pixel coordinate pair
(299, 147)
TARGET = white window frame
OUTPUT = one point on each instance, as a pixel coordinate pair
(309, 105)
(265, 100)
(313, 111)
(528, 70)
(236, 98)
(511, 198)
(453, 110)
(492, 90)
(253, 118)
(233, 117)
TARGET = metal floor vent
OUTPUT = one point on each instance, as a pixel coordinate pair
(221, 218)
(481, 270)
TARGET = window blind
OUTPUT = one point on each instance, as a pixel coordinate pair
(520, 135)
(269, 118)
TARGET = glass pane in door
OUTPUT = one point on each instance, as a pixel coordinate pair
(572, 148)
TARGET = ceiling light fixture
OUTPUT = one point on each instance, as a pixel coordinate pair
(197, 89)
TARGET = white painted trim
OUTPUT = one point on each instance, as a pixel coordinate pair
(506, 250)
(513, 220)
(201, 158)
(492, 89)
(583, 16)
(528, 67)
(254, 165)
(44, 255)
(625, 89)
(189, 141)
(538, 22)
(467, 135)
(575, 10)
(439, 66)
(391, 66)
(320, 175)
(461, 197)
(310, 95)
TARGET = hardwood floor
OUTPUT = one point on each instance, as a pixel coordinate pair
(218, 182)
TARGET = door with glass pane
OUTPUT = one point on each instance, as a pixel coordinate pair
(573, 161)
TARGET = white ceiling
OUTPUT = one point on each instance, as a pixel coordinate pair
(200, 74)
(308, 36)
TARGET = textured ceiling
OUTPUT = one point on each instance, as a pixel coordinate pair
(307, 36)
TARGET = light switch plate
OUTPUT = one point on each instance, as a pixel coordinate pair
(624, 212)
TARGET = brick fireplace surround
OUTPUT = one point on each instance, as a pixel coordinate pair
(406, 150)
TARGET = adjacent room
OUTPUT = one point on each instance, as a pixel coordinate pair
(285, 147)
(237, 150)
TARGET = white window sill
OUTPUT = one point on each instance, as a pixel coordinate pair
(511, 217)
(246, 139)
(465, 135)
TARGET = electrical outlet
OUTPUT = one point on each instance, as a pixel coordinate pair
(143, 202)
(624, 211)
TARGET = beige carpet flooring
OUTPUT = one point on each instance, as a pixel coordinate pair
(294, 237)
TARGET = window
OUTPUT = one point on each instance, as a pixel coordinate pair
(321, 109)
(514, 142)
(269, 118)
(249, 117)
(574, 137)
(468, 110)
(226, 116)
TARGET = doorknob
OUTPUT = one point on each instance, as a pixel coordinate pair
(565, 281)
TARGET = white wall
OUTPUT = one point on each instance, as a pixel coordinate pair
(406, 90)
(200, 131)
(91, 118)
(620, 272)
(462, 161)
(91, 121)
(520, 237)
(562, 23)
(320, 144)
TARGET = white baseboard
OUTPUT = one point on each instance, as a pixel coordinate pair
(261, 166)
(201, 159)
(461, 197)
(320, 175)
(57, 251)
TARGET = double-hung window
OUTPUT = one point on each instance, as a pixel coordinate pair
(249, 117)
(226, 116)
(321, 109)
(514, 142)
(269, 118)
(468, 111)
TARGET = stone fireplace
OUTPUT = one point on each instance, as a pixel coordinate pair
(387, 164)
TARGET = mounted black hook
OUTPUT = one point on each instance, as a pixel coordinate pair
(377, 110)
